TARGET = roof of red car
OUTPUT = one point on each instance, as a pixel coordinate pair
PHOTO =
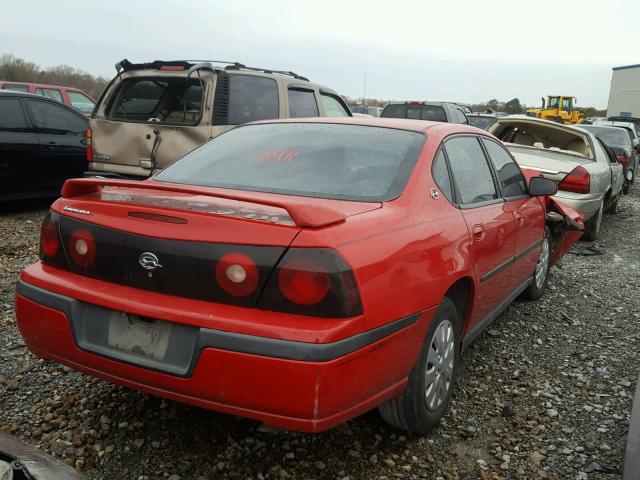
(399, 123)
(38, 85)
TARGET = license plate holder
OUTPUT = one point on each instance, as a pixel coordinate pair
(139, 336)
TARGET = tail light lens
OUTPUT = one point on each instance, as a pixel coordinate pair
(623, 159)
(89, 135)
(237, 274)
(578, 181)
(49, 237)
(312, 281)
(82, 247)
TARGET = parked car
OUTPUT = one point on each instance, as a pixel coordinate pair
(317, 250)
(482, 120)
(589, 179)
(151, 114)
(19, 461)
(632, 451)
(42, 143)
(625, 149)
(418, 110)
(70, 96)
(635, 121)
(371, 111)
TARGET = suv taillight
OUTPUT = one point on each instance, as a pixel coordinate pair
(312, 281)
(578, 181)
(89, 135)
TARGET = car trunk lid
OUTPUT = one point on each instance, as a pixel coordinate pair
(551, 164)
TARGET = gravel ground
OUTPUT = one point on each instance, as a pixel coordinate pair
(544, 393)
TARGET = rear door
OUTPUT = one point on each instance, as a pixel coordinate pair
(63, 145)
(19, 147)
(528, 213)
(491, 224)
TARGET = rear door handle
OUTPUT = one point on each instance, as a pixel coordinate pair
(52, 145)
(478, 233)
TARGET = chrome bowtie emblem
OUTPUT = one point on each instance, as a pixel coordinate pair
(149, 261)
(435, 194)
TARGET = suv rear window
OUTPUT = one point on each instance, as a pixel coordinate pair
(168, 100)
(434, 113)
(609, 135)
(347, 162)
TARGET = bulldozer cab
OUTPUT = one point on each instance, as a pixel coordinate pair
(558, 108)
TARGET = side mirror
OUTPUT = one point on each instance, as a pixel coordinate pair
(541, 187)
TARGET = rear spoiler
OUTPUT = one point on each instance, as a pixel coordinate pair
(302, 214)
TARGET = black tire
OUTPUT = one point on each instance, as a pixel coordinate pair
(409, 411)
(592, 227)
(613, 208)
(625, 187)
(536, 289)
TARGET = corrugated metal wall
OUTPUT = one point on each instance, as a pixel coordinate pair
(624, 96)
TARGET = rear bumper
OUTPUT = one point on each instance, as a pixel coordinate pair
(585, 204)
(294, 385)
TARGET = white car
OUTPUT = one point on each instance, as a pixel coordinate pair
(589, 177)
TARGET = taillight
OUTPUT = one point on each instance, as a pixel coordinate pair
(237, 274)
(82, 247)
(303, 281)
(49, 237)
(623, 159)
(312, 281)
(578, 181)
(89, 135)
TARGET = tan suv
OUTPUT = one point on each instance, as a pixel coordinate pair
(151, 114)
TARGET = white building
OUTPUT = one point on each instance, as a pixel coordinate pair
(624, 96)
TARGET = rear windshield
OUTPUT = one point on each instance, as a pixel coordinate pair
(609, 135)
(343, 162)
(434, 113)
(158, 99)
(481, 122)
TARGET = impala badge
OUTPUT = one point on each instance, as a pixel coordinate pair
(149, 262)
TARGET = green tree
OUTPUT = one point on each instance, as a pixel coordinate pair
(513, 106)
(493, 104)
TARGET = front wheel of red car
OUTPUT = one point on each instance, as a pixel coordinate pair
(427, 395)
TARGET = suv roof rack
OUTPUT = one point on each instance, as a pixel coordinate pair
(126, 65)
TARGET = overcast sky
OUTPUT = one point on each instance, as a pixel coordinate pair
(467, 51)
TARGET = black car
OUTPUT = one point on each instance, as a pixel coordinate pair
(433, 111)
(42, 143)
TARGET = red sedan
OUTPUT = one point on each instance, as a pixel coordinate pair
(296, 272)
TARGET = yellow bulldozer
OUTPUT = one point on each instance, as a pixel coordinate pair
(558, 108)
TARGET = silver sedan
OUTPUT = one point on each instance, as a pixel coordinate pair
(589, 177)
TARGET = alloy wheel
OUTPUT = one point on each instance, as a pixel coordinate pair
(440, 363)
(543, 264)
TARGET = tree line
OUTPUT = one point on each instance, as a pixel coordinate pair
(15, 69)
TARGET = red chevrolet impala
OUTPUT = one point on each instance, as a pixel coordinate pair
(296, 272)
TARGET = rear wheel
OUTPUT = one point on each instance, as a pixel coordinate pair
(613, 208)
(428, 393)
(541, 274)
(592, 227)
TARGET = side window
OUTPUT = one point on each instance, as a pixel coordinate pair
(332, 106)
(512, 182)
(16, 87)
(53, 94)
(81, 102)
(39, 92)
(51, 119)
(440, 174)
(302, 103)
(252, 98)
(470, 170)
(11, 116)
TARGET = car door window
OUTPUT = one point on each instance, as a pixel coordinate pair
(440, 173)
(470, 170)
(302, 103)
(252, 98)
(332, 106)
(53, 94)
(512, 182)
(49, 118)
(11, 116)
(81, 102)
(16, 88)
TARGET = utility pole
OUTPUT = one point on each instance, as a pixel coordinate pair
(364, 91)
